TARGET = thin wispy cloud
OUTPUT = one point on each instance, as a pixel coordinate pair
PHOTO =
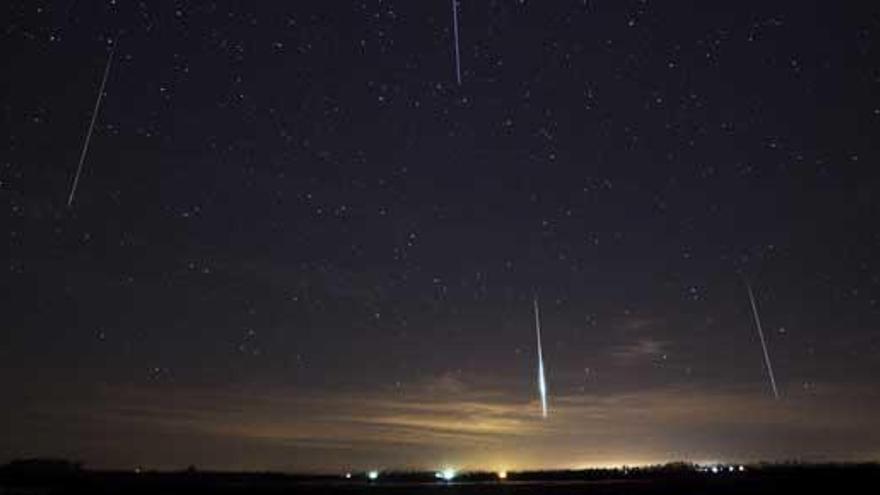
(644, 424)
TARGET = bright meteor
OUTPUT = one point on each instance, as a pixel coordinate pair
(95, 110)
(455, 31)
(542, 383)
(763, 343)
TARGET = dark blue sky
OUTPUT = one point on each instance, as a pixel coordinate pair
(297, 243)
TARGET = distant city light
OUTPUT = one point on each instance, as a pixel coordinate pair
(502, 475)
(742, 468)
(715, 469)
(373, 475)
(447, 474)
(348, 476)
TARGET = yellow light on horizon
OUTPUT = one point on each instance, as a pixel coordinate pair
(502, 475)
(448, 474)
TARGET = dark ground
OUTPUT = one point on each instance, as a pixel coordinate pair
(760, 480)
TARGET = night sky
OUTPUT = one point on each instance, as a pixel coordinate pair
(297, 243)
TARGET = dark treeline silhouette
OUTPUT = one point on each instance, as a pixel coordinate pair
(62, 476)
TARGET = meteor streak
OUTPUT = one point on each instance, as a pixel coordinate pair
(763, 343)
(455, 31)
(85, 149)
(542, 383)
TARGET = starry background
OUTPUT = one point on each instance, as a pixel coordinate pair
(299, 244)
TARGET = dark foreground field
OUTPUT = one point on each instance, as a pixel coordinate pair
(764, 480)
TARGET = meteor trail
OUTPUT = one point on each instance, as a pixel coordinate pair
(763, 343)
(85, 149)
(542, 383)
(455, 30)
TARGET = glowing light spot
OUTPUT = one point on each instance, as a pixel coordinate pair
(447, 474)
(502, 475)
(373, 475)
(348, 476)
